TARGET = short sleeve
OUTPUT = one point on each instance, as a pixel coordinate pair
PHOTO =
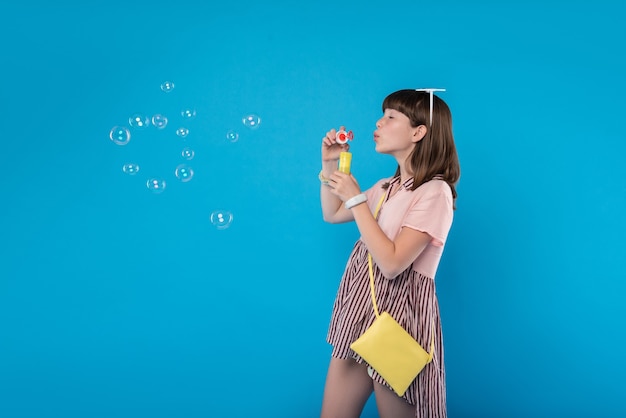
(432, 213)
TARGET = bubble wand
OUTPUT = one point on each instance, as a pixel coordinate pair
(345, 157)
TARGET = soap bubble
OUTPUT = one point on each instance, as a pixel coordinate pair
(232, 136)
(221, 219)
(138, 121)
(188, 153)
(159, 121)
(131, 169)
(184, 173)
(252, 121)
(167, 86)
(188, 113)
(155, 185)
(182, 132)
(120, 135)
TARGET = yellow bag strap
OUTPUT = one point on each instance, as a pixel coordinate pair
(373, 291)
(369, 260)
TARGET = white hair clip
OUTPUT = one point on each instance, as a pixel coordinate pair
(431, 100)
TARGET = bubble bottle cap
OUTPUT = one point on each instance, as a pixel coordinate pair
(343, 136)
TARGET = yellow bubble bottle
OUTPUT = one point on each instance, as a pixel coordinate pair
(345, 158)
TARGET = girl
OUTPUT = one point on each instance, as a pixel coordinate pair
(405, 240)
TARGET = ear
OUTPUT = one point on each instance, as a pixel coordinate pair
(419, 133)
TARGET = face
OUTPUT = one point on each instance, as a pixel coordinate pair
(394, 134)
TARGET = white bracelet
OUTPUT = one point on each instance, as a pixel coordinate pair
(355, 200)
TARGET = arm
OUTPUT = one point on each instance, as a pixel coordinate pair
(333, 210)
(392, 257)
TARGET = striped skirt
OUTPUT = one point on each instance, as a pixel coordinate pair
(411, 300)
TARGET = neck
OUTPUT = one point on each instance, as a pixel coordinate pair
(404, 174)
(402, 163)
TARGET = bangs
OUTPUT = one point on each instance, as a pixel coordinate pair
(411, 103)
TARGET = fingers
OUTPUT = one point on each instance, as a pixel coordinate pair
(339, 178)
(330, 147)
(330, 137)
(343, 185)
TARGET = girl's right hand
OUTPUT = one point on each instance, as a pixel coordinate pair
(331, 148)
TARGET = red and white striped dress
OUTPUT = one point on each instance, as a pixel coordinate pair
(410, 297)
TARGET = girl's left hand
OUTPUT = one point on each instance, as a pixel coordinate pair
(343, 185)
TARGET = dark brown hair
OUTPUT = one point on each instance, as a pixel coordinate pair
(435, 154)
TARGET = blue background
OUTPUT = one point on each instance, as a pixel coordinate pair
(116, 302)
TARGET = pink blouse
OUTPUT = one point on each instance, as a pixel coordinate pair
(429, 209)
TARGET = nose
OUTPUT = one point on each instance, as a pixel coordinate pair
(379, 123)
